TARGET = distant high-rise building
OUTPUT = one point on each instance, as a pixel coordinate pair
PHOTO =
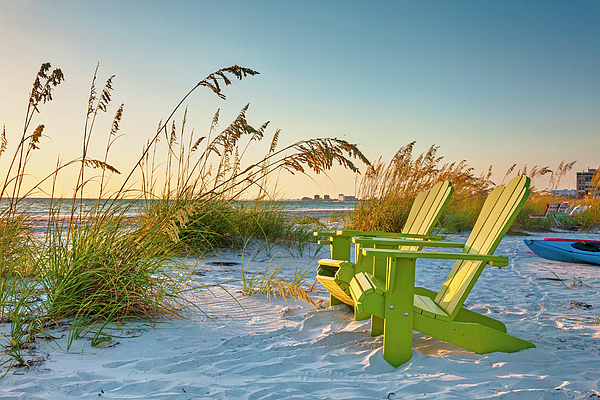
(317, 197)
(584, 182)
(326, 197)
(341, 197)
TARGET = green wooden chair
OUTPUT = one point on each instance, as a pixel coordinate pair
(336, 272)
(390, 295)
(567, 216)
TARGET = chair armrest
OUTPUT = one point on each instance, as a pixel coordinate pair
(405, 242)
(323, 233)
(496, 261)
(387, 234)
(343, 233)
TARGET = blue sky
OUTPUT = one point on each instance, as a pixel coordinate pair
(494, 83)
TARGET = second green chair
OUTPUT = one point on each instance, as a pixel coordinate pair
(336, 272)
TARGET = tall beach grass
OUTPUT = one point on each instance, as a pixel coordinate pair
(95, 268)
(387, 191)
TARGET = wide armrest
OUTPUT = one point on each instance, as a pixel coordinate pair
(496, 261)
(405, 242)
(387, 234)
(323, 233)
(378, 234)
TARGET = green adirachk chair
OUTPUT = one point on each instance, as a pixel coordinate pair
(336, 272)
(390, 295)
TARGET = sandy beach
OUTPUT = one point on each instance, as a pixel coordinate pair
(285, 349)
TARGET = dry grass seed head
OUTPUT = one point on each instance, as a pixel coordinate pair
(42, 92)
(3, 141)
(35, 137)
(212, 80)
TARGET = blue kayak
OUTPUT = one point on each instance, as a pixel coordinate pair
(577, 251)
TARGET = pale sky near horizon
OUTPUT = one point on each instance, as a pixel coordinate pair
(493, 83)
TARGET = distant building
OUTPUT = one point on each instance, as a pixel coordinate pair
(341, 197)
(317, 197)
(326, 197)
(584, 182)
(564, 193)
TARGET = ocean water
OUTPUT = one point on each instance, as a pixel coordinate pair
(40, 207)
(317, 208)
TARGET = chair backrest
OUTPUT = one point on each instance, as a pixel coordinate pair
(427, 208)
(499, 211)
(571, 209)
(562, 207)
(552, 208)
(580, 209)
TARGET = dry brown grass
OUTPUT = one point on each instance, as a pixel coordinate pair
(387, 190)
(201, 172)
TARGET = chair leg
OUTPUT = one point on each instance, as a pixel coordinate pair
(333, 301)
(398, 323)
(376, 326)
(340, 248)
(361, 316)
(378, 269)
(470, 336)
(465, 315)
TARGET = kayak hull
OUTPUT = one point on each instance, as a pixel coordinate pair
(563, 250)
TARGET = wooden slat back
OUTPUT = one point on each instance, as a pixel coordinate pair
(427, 208)
(499, 211)
(553, 207)
(562, 207)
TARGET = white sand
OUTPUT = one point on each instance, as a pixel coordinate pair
(290, 350)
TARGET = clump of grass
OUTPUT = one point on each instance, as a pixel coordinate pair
(388, 190)
(98, 267)
(204, 177)
(590, 218)
(106, 269)
(230, 224)
(94, 265)
(308, 220)
(456, 223)
(590, 319)
(18, 290)
(90, 266)
(577, 281)
(15, 223)
(15, 244)
(268, 283)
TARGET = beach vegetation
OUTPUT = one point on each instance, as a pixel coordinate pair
(387, 191)
(589, 219)
(94, 268)
(206, 178)
(268, 282)
(308, 220)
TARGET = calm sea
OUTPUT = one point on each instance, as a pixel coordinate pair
(40, 207)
